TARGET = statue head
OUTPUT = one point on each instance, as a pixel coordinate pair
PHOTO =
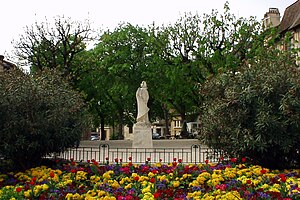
(143, 84)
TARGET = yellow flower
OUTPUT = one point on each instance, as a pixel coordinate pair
(45, 187)
(264, 186)
(273, 189)
(200, 179)
(107, 174)
(148, 196)
(37, 189)
(128, 186)
(176, 184)
(101, 193)
(27, 193)
(115, 184)
(146, 189)
(150, 174)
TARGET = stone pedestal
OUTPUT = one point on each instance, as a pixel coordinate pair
(142, 136)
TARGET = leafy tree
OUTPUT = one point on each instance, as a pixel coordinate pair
(53, 46)
(227, 41)
(188, 52)
(255, 112)
(117, 71)
(172, 69)
(39, 115)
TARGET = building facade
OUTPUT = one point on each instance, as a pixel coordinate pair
(289, 24)
(5, 65)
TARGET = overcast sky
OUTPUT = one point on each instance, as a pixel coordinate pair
(16, 14)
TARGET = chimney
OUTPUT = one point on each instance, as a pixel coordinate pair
(271, 18)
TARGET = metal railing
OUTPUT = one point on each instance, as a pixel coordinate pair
(105, 154)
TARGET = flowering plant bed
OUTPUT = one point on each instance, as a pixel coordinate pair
(90, 180)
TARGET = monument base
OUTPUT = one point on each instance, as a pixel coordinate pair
(142, 136)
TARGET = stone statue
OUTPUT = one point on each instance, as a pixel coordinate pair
(142, 98)
(142, 136)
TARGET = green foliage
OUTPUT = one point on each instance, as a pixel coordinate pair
(256, 112)
(55, 46)
(39, 114)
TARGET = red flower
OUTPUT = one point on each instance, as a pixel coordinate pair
(221, 187)
(156, 195)
(88, 161)
(73, 170)
(116, 160)
(282, 177)
(106, 158)
(160, 160)
(33, 179)
(130, 158)
(148, 159)
(222, 158)
(206, 161)
(136, 178)
(263, 171)
(233, 160)
(174, 164)
(51, 174)
(95, 163)
(244, 159)
(180, 160)
(121, 159)
(18, 189)
(249, 181)
(174, 159)
(152, 180)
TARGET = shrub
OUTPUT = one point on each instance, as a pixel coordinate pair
(39, 114)
(256, 112)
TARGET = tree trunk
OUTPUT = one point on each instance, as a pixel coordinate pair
(102, 124)
(120, 131)
(166, 113)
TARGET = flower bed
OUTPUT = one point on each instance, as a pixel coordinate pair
(70, 180)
